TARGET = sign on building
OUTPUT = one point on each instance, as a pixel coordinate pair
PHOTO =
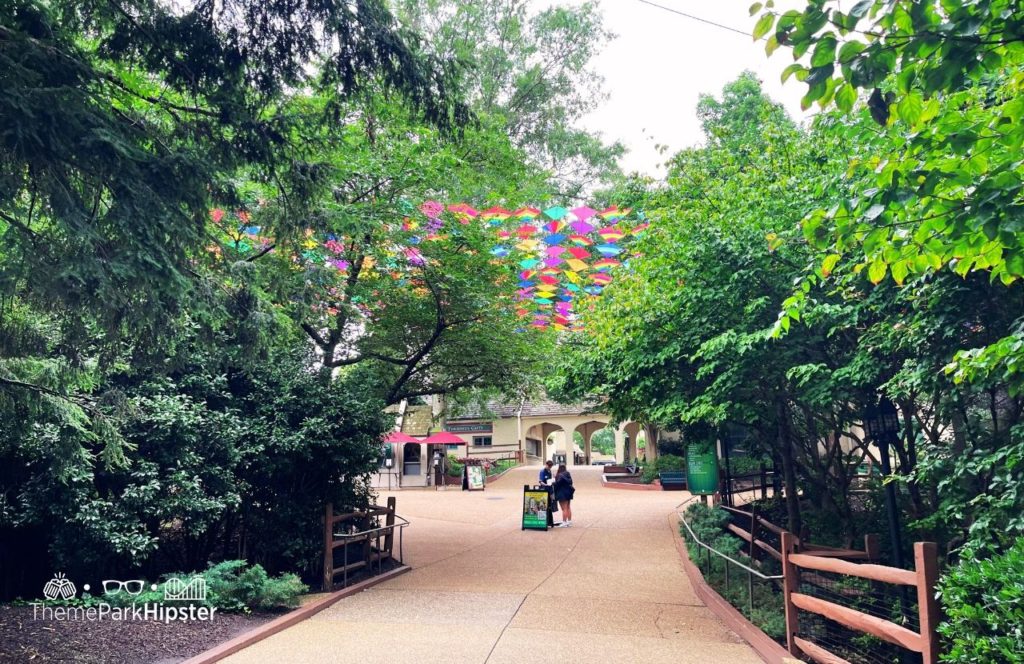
(470, 427)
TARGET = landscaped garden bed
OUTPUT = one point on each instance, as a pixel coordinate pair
(24, 639)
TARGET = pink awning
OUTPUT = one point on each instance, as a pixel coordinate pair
(397, 437)
(445, 438)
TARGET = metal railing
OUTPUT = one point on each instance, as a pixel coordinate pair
(751, 572)
(375, 542)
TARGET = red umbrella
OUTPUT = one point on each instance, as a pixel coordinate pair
(396, 437)
(445, 438)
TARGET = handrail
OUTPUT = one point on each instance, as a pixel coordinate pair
(718, 553)
(361, 533)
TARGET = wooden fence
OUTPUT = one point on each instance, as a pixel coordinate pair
(360, 540)
(922, 578)
(757, 545)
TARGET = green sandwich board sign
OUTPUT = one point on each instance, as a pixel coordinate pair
(702, 468)
(535, 508)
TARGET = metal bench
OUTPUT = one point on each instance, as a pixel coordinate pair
(674, 480)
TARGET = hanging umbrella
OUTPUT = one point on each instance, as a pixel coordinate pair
(444, 438)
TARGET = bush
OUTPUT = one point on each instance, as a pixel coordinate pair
(230, 586)
(984, 605)
(746, 465)
(454, 466)
(218, 459)
(664, 463)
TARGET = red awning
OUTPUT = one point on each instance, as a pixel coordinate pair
(445, 438)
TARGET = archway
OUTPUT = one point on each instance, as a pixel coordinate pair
(551, 442)
(586, 432)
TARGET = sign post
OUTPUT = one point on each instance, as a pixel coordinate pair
(702, 468)
(536, 515)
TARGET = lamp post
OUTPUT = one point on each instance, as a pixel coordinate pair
(882, 425)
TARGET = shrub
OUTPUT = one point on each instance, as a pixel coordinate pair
(454, 466)
(983, 600)
(664, 463)
(230, 586)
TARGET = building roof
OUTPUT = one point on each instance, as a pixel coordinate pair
(537, 408)
(417, 421)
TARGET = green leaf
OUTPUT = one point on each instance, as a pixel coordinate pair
(824, 51)
(899, 271)
(909, 108)
(756, 7)
(829, 264)
(790, 70)
(877, 270)
(846, 96)
(763, 25)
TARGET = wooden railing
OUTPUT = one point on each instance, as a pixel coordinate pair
(759, 524)
(361, 539)
(922, 578)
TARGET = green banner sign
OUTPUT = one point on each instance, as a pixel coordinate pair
(535, 509)
(702, 469)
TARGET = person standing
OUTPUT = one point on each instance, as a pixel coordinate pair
(564, 492)
(545, 473)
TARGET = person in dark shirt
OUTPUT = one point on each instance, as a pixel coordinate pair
(564, 492)
(545, 473)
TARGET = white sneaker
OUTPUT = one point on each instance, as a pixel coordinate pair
(564, 524)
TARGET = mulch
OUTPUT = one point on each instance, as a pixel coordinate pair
(25, 639)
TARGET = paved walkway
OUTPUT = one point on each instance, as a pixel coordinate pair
(610, 589)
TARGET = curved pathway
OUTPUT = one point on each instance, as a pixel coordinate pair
(609, 589)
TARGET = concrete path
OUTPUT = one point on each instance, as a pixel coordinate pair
(609, 589)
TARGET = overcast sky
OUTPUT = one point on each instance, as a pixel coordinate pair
(661, 62)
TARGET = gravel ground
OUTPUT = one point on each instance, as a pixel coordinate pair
(25, 639)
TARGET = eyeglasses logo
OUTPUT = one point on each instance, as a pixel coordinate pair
(132, 587)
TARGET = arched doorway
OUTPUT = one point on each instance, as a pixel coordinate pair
(551, 442)
(584, 433)
(411, 459)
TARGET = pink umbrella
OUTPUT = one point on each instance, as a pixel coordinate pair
(444, 438)
(396, 437)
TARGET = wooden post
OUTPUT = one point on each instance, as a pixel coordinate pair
(764, 482)
(389, 521)
(328, 548)
(753, 533)
(790, 585)
(926, 565)
(871, 546)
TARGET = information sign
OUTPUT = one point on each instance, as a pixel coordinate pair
(535, 508)
(475, 478)
(702, 469)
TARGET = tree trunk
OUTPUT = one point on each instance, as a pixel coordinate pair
(788, 467)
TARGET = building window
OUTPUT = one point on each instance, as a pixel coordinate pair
(480, 441)
(454, 447)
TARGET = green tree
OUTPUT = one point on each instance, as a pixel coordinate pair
(532, 71)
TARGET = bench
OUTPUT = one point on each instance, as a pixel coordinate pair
(672, 480)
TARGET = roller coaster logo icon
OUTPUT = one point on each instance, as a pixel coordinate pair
(178, 590)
